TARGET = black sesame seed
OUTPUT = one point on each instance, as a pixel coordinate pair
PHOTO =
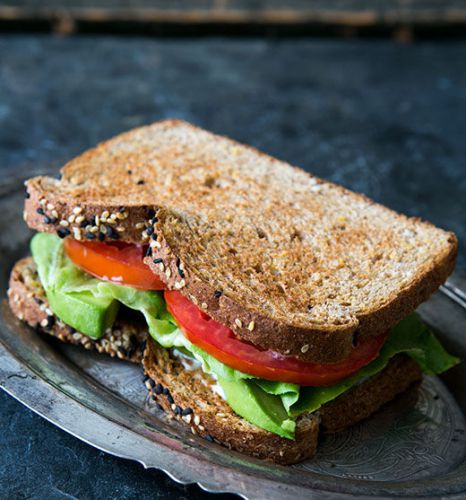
(121, 350)
(50, 320)
(62, 232)
(150, 213)
(84, 223)
(170, 399)
(157, 261)
(145, 379)
(140, 182)
(310, 307)
(160, 407)
(187, 411)
(27, 195)
(40, 211)
(165, 391)
(148, 251)
(121, 209)
(158, 389)
(217, 294)
(111, 233)
(154, 397)
(149, 230)
(154, 236)
(53, 220)
(151, 382)
(38, 301)
(142, 347)
(90, 236)
(71, 329)
(129, 172)
(154, 220)
(178, 264)
(47, 220)
(177, 410)
(101, 236)
(209, 438)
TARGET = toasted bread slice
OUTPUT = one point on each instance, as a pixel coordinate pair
(290, 262)
(26, 296)
(189, 397)
(364, 399)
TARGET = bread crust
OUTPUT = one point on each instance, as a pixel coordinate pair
(363, 400)
(320, 342)
(26, 297)
(318, 345)
(213, 418)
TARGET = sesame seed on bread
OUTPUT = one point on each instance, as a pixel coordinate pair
(189, 398)
(210, 416)
(188, 395)
(290, 262)
(26, 297)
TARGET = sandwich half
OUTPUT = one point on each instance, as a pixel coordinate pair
(267, 304)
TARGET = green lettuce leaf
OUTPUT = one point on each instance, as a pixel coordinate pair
(411, 336)
(273, 406)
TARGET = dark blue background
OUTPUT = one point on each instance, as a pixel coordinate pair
(381, 118)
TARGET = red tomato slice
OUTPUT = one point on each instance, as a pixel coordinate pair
(117, 262)
(220, 342)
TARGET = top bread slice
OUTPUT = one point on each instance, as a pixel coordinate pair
(288, 261)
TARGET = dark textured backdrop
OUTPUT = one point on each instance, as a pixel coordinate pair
(380, 118)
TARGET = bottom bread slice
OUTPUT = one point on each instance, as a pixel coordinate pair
(191, 397)
(26, 296)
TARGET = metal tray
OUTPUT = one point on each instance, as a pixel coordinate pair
(415, 447)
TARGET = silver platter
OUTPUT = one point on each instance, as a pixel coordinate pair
(415, 447)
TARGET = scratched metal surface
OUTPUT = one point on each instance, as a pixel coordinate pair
(416, 447)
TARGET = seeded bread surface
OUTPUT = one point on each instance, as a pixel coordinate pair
(211, 417)
(290, 262)
(188, 397)
(26, 297)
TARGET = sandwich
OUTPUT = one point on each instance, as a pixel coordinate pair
(265, 304)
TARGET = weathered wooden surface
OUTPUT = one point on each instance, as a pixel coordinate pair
(380, 118)
(345, 12)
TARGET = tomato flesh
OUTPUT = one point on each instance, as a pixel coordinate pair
(123, 263)
(117, 262)
(220, 342)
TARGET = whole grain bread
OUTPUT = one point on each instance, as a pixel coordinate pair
(26, 296)
(364, 399)
(188, 397)
(290, 262)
